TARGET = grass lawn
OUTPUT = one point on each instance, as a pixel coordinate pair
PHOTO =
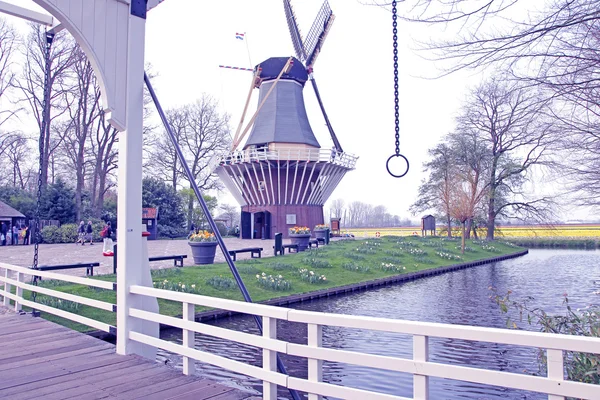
(340, 263)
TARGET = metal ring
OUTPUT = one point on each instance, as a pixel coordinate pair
(387, 165)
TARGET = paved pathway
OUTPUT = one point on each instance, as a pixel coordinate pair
(53, 254)
(40, 359)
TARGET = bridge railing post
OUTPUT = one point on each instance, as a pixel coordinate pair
(7, 288)
(420, 353)
(315, 367)
(189, 365)
(555, 366)
(269, 357)
(19, 292)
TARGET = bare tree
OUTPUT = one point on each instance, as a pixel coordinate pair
(510, 121)
(163, 162)
(83, 110)
(435, 191)
(337, 207)
(31, 81)
(8, 45)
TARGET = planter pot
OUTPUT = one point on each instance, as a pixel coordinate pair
(301, 239)
(203, 252)
(321, 234)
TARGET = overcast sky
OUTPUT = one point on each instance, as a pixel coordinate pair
(187, 39)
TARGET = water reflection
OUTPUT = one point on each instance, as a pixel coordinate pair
(460, 297)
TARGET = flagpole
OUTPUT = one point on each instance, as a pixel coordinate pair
(248, 49)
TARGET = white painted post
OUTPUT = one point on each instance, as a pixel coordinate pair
(315, 367)
(7, 289)
(19, 292)
(189, 365)
(133, 268)
(556, 370)
(420, 353)
(269, 358)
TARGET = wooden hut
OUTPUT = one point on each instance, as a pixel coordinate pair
(428, 225)
(150, 219)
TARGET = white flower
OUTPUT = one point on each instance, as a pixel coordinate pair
(194, 286)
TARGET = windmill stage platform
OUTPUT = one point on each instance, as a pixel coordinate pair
(40, 359)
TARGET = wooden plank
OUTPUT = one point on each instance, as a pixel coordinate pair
(76, 379)
(208, 392)
(35, 359)
(144, 392)
(53, 352)
(202, 390)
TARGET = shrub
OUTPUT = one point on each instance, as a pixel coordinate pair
(580, 367)
(356, 267)
(278, 266)
(355, 257)
(389, 267)
(51, 234)
(448, 256)
(221, 282)
(310, 276)
(271, 282)
(316, 263)
(68, 233)
(171, 232)
(176, 287)
(247, 269)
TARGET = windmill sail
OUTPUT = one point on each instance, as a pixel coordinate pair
(294, 30)
(316, 36)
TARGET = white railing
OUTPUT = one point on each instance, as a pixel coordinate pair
(419, 366)
(15, 276)
(291, 154)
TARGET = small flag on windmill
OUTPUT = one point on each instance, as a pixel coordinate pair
(239, 36)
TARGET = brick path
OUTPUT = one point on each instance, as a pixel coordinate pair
(53, 254)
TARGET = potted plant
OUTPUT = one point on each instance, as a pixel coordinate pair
(204, 247)
(321, 231)
(300, 235)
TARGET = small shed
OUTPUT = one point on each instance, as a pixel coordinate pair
(150, 218)
(10, 217)
(428, 225)
(334, 224)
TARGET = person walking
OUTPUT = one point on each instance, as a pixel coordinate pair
(3, 231)
(15, 235)
(26, 235)
(81, 233)
(89, 234)
(107, 233)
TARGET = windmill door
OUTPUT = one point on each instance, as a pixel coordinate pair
(267, 225)
(246, 221)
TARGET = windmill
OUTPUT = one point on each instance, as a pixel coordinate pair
(282, 177)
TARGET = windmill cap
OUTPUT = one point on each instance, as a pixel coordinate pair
(273, 66)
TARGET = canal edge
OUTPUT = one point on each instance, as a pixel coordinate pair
(355, 287)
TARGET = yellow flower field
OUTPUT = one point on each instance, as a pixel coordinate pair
(557, 231)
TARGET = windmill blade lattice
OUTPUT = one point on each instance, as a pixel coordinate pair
(294, 31)
(316, 36)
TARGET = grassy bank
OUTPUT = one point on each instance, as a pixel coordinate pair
(340, 263)
(555, 242)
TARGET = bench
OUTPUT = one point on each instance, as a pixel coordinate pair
(177, 259)
(321, 241)
(255, 252)
(313, 242)
(88, 266)
(290, 247)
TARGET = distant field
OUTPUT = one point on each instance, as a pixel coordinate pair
(557, 231)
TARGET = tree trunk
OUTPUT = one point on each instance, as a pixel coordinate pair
(469, 226)
(463, 238)
(449, 226)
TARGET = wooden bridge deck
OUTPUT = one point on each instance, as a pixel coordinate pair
(40, 359)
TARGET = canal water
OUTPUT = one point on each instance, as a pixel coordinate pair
(460, 297)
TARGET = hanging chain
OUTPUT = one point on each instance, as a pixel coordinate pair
(396, 106)
(44, 126)
(396, 101)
